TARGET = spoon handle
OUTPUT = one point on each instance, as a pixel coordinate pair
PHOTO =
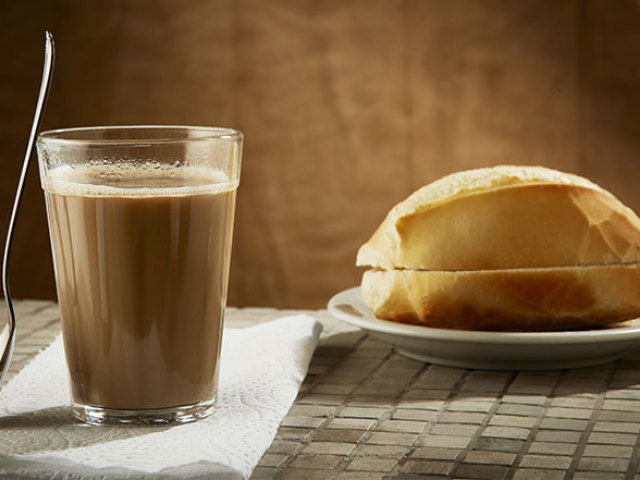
(47, 72)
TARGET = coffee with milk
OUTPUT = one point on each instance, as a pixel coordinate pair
(141, 256)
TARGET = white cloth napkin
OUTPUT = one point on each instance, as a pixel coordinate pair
(260, 375)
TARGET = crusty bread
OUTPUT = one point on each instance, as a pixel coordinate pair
(505, 217)
(505, 248)
(519, 299)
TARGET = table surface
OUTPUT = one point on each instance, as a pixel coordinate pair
(367, 413)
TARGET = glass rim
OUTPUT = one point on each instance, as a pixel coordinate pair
(202, 133)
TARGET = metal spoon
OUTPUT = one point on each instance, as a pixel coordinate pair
(47, 71)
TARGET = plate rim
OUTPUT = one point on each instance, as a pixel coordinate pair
(567, 337)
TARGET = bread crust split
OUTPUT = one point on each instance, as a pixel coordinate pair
(505, 248)
(523, 226)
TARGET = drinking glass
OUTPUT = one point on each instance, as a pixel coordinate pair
(140, 222)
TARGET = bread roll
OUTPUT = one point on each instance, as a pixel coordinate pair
(505, 248)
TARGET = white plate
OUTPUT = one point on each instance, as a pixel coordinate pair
(490, 350)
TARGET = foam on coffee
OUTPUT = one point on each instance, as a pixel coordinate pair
(143, 179)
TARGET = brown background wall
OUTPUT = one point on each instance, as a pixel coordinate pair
(347, 107)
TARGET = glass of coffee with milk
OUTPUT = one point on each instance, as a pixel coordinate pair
(141, 220)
